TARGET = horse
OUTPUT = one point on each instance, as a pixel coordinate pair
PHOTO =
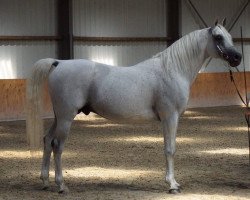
(155, 89)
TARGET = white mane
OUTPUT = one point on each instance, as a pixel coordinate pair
(182, 55)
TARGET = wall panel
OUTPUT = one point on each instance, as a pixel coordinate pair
(123, 18)
(121, 54)
(216, 89)
(12, 96)
(18, 57)
(26, 18)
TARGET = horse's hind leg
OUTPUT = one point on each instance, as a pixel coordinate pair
(46, 155)
(61, 133)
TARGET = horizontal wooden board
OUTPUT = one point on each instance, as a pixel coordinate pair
(12, 100)
(216, 89)
(209, 89)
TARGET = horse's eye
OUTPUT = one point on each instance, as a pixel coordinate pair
(218, 37)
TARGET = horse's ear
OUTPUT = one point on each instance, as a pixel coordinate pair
(216, 22)
(224, 21)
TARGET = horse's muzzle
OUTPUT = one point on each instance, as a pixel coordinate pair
(235, 59)
(231, 55)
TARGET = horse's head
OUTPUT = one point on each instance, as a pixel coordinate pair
(220, 45)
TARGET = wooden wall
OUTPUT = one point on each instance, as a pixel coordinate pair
(216, 89)
(12, 100)
(209, 89)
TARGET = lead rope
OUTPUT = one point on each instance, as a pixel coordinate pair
(237, 90)
(247, 113)
(246, 103)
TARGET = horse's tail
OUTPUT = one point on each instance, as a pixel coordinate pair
(34, 101)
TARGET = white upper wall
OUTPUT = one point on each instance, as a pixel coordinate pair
(25, 18)
(28, 17)
(118, 53)
(119, 18)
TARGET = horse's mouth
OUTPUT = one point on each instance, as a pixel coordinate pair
(232, 57)
(234, 63)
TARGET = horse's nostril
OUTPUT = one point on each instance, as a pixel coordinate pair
(237, 57)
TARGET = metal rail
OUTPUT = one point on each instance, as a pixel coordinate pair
(121, 39)
(98, 39)
(30, 38)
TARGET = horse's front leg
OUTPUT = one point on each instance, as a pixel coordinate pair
(169, 130)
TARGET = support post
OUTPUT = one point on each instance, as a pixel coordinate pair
(65, 29)
(173, 20)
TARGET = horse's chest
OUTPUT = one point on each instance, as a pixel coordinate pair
(174, 95)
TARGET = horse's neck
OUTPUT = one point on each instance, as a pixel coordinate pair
(188, 54)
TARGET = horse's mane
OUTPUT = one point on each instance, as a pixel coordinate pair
(182, 53)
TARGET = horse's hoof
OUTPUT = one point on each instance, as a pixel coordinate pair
(174, 191)
(45, 184)
(64, 190)
(45, 187)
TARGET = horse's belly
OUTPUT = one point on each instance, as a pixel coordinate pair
(125, 113)
(128, 117)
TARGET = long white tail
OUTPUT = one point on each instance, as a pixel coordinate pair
(34, 101)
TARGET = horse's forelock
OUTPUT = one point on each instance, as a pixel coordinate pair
(223, 31)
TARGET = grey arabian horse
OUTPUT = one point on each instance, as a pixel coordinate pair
(156, 89)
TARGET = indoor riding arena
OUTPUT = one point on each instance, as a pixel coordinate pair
(106, 159)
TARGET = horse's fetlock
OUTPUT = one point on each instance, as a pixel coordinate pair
(59, 180)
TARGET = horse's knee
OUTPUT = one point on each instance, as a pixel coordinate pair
(49, 136)
(46, 141)
(170, 151)
(170, 148)
(57, 145)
